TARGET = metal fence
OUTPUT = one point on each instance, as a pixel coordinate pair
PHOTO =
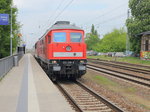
(7, 63)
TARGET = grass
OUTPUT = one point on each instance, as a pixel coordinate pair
(134, 60)
(127, 91)
(130, 92)
(113, 85)
(1, 78)
(104, 80)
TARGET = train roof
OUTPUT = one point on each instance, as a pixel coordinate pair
(62, 25)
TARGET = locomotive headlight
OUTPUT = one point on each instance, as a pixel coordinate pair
(82, 62)
(68, 48)
(54, 62)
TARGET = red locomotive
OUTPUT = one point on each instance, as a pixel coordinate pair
(62, 51)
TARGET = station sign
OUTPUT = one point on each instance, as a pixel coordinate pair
(4, 19)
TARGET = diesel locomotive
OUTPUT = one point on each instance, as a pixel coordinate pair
(61, 51)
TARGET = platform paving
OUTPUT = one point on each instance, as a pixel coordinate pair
(26, 88)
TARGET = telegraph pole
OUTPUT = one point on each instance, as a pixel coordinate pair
(11, 30)
(127, 37)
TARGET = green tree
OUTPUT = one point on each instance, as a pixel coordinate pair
(139, 22)
(113, 42)
(93, 31)
(5, 7)
(92, 39)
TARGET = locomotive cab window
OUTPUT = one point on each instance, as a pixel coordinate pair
(59, 37)
(49, 39)
(75, 37)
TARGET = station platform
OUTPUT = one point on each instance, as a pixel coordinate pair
(26, 88)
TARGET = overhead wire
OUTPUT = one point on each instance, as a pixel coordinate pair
(69, 3)
(52, 15)
(54, 12)
(110, 11)
(109, 20)
(44, 27)
(59, 14)
(106, 13)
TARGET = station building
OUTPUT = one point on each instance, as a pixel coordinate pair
(145, 45)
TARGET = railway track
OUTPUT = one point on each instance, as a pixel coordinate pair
(121, 65)
(126, 76)
(86, 100)
(124, 63)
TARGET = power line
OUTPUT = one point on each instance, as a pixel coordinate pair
(44, 27)
(63, 10)
(109, 20)
(54, 12)
(110, 11)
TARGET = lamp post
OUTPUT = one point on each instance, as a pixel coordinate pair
(11, 30)
(127, 37)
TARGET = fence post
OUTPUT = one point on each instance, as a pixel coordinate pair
(15, 60)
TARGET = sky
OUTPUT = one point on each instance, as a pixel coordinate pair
(36, 16)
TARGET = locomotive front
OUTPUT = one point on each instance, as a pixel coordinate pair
(66, 51)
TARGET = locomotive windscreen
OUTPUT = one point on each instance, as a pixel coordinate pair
(59, 37)
(76, 37)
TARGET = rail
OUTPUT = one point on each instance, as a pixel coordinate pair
(124, 63)
(85, 99)
(129, 77)
(7, 63)
(121, 66)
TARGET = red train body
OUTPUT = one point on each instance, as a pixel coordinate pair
(62, 51)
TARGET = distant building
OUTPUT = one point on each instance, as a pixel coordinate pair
(145, 45)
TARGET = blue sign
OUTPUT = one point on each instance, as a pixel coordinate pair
(4, 19)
